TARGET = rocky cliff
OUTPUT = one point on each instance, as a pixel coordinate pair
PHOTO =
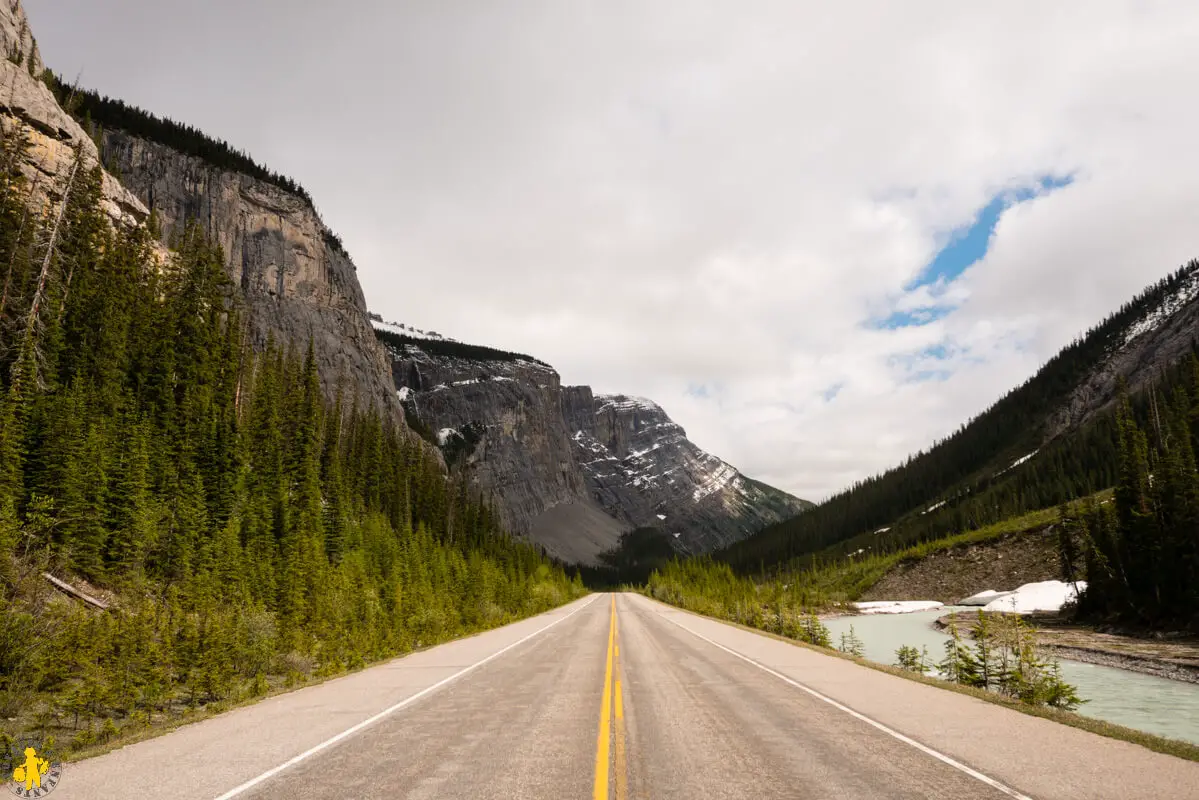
(569, 469)
(296, 280)
(28, 108)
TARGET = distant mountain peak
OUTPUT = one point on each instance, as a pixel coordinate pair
(567, 468)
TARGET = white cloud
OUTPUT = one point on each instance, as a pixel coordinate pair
(654, 197)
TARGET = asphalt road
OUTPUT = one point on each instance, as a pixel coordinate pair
(616, 696)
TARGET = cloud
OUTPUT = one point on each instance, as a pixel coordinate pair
(729, 212)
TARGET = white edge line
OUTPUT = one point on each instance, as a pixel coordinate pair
(973, 773)
(291, 762)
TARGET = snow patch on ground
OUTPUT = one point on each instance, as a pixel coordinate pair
(933, 507)
(444, 435)
(661, 516)
(982, 598)
(403, 393)
(881, 530)
(896, 606)
(1042, 596)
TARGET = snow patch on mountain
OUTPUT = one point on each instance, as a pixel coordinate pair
(1017, 462)
(1169, 305)
(721, 478)
(621, 402)
(400, 328)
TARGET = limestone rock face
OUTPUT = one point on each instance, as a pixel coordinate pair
(28, 108)
(554, 456)
(295, 279)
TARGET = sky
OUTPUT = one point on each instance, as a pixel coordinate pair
(820, 235)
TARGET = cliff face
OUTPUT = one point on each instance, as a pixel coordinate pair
(28, 108)
(295, 279)
(568, 469)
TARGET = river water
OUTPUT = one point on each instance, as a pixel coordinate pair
(1145, 702)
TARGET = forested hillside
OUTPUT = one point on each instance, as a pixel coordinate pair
(245, 531)
(977, 476)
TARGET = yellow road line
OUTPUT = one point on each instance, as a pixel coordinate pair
(603, 743)
(622, 772)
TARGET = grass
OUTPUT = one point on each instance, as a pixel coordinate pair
(1158, 744)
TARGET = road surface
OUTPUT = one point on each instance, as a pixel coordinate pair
(616, 696)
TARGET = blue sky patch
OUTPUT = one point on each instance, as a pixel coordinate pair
(962, 248)
(969, 243)
(920, 316)
(832, 391)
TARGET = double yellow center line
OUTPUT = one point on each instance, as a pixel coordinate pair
(611, 698)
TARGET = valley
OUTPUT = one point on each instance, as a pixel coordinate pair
(248, 520)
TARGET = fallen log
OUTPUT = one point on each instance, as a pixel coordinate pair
(67, 588)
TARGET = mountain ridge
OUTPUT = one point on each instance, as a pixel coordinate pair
(556, 456)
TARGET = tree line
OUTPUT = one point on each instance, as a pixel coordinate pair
(101, 111)
(249, 531)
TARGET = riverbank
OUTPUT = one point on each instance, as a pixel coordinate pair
(1146, 702)
(1175, 657)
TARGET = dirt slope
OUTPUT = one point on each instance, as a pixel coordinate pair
(999, 564)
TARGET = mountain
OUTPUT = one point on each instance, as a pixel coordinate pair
(640, 466)
(570, 469)
(1049, 440)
